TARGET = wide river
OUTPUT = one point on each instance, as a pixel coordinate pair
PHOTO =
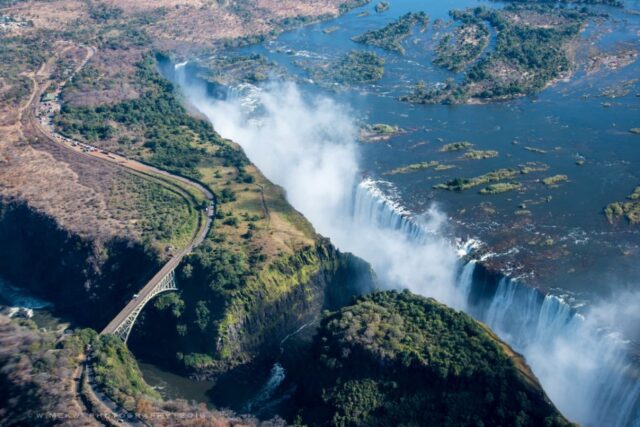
(571, 121)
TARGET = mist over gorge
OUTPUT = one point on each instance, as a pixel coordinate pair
(307, 144)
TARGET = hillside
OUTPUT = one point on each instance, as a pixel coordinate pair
(400, 359)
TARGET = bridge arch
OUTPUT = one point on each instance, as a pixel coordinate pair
(122, 324)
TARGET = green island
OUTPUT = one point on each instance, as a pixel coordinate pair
(553, 181)
(500, 187)
(463, 45)
(382, 6)
(394, 358)
(227, 70)
(415, 167)
(378, 132)
(531, 167)
(530, 53)
(628, 209)
(456, 146)
(461, 184)
(391, 36)
(502, 174)
(479, 154)
(356, 67)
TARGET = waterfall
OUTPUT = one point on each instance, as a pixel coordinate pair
(304, 147)
(179, 72)
(584, 369)
(465, 281)
(373, 208)
(276, 377)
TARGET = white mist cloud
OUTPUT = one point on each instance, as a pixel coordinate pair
(305, 146)
(308, 146)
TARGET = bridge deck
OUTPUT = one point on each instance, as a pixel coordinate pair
(142, 295)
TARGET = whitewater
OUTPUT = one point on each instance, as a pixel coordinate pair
(307, 145)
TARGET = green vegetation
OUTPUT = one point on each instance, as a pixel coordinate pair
(462, 46)
(260, 254)
(228, 303)
(356, 67)
(391, 36)
(414, 167)
(164, 134)
(460, 184)
(530, 52)
(456, 146)
(164, 214)
(382, 6)
(553, 181)
(36, 373)
(501, 187)
(227, 70)
(378, 132)
(19, 55)
(400, 359)
(531, 167)
(629, 210)
(116, 372)
(383, 129)
(480, 154)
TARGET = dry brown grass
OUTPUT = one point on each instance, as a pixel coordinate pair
(202, 24)
(113, 83)
(54, 15)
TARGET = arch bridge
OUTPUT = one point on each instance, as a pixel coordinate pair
(163, 281)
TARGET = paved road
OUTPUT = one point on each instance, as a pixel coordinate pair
(142, 295)
(40, 121)
(109, 412)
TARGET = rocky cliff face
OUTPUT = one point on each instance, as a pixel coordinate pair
(89, 280)
(252, 322)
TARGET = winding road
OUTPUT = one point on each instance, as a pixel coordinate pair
(39, 119)
(36, 116)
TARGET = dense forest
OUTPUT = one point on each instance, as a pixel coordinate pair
(394, 358)
(530, 52)
(390, 37)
